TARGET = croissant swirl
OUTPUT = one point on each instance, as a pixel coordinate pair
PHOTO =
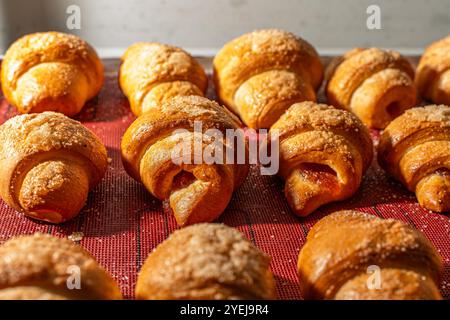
(206, 261)
(51, 71)
(152, 73)
(261, 74)
(433, 72)
(197, 191)
(323, 154)
(48, 163)
(374, 84)
(42, 267)
(415, 149)
(341, 249)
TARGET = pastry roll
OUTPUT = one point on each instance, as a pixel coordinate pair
(51, 71)
(154, 150)
(323, 152)
(261, 74)
(206, 262)
(374, 84)
(350, 255)
(42, 267)
(415, 149)
(48, 164)
(152, 73)
(433, 72)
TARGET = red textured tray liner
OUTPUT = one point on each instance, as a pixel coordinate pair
(122, 223)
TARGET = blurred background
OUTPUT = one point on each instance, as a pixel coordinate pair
(203, 26)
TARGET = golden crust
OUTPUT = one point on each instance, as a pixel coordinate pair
(38, 267)
(260, 74)
(44, 158)
(51, 71)
(196, 192)
(324, 152)
(433, 72)
(152, 73)
(414, 148)
(206, 261)
(340, 247)
(376, 85)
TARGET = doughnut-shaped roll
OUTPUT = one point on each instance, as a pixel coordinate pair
(433, 72)
(350, 255)
(261, 74)
(165, 151)
(206, 261)
(152, 73)
(48, 164)
(42, 267)
(415, 149)
(51, 71)
(374, 84)
(324, 153)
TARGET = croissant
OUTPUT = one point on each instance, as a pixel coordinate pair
(415, 149)
(43, 267)
(152, 73)
(206, 261)
(197, 191)
(433, 72)
(375, 85)
(357, 256)
(323, 153)
(261, 74)
(51, 71)
(48, 163)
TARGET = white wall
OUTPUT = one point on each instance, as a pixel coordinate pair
(202, 25)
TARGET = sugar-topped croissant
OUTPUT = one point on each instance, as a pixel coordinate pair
(48, 163)
(433, 72)
(43, 267)
(51, 71)
(166, 152)
(350, 255)
(374, 84)
(324, 153)
(261, 74)
(152, 73)
(415, 149)
(206, 261)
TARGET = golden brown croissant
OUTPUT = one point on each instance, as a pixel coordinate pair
(206, 261)
(374, 84)
(197, 192)
(42, 267)
(152, 73)
(348, 251)
(433, 72)
(324, 152)
(48, 163)
(261, 74)
(415, 149)
(51, 71)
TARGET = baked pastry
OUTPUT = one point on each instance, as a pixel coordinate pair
(51, 71)
(374, 84)
(48, 163)
(42, 267)
(152, 73)
(261, 74)
(323, 152)
(433, 72)
(341, 249)
(206, 261)
(415, 149)
(165, 151)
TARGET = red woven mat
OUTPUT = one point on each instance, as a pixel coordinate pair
(122, 222)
